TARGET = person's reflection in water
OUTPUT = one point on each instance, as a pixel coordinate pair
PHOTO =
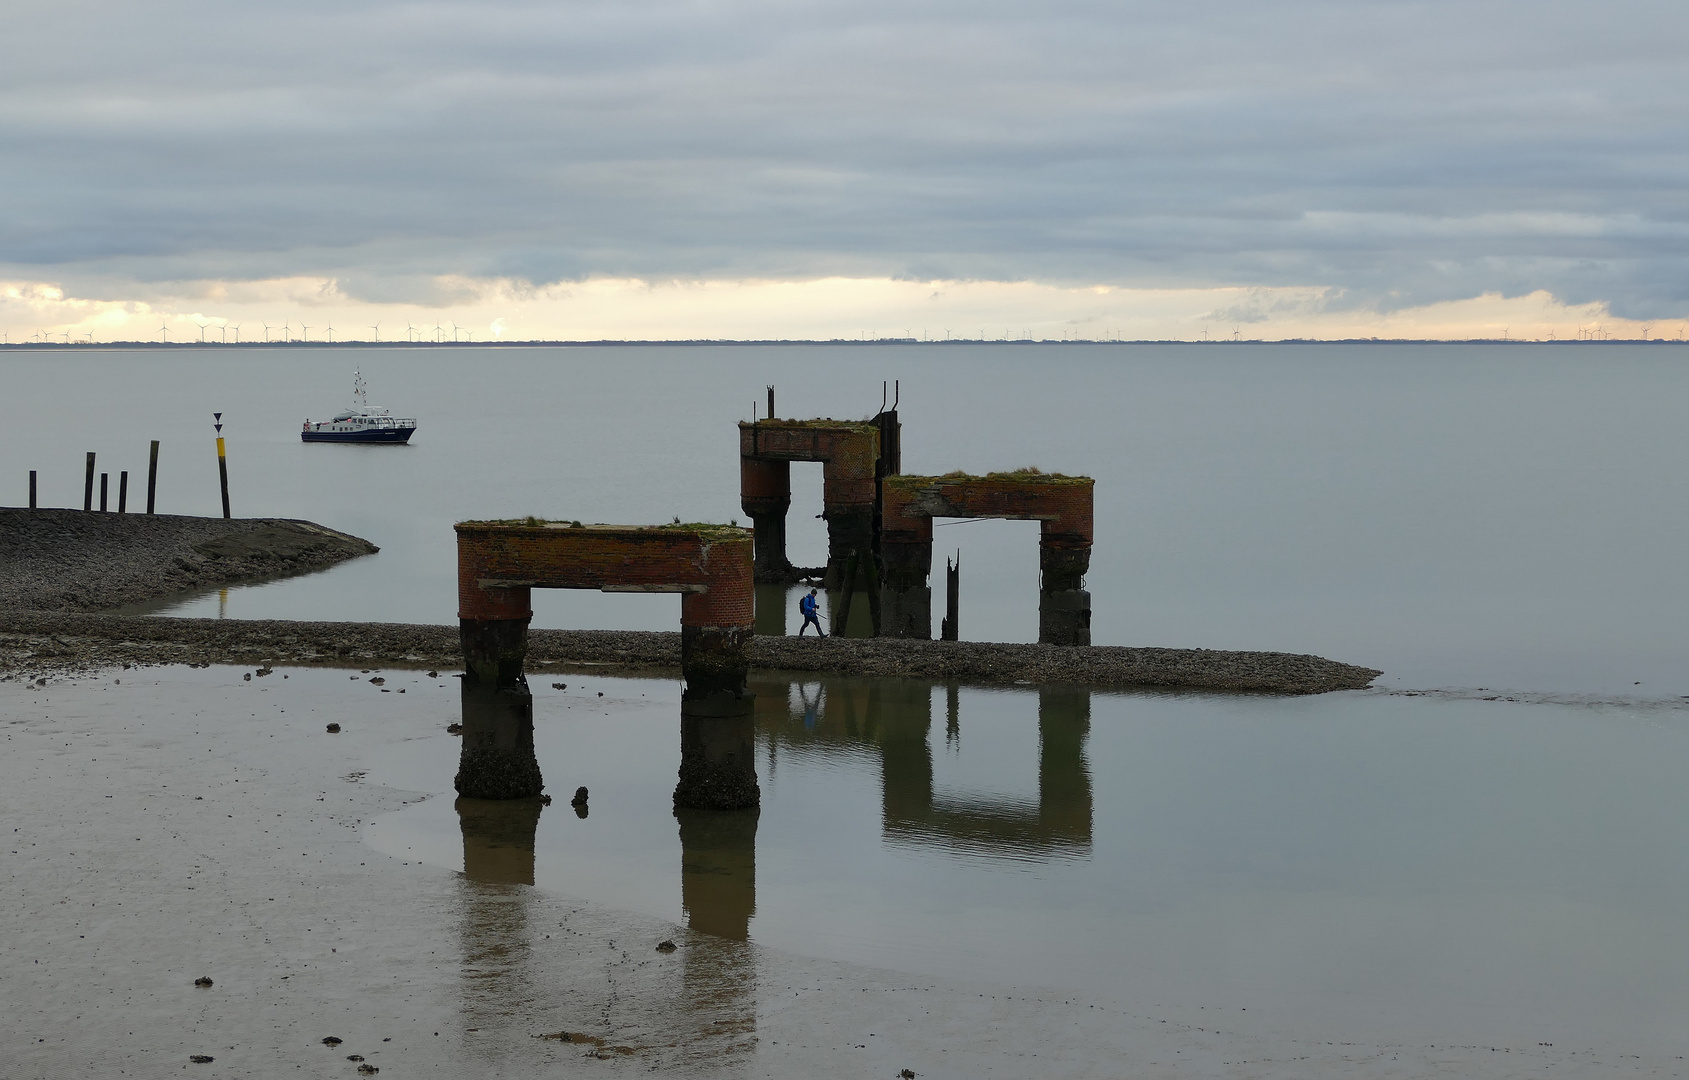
(498, 861)
(811, 706)
(718, 890)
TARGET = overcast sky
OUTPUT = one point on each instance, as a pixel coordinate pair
(1347, 159)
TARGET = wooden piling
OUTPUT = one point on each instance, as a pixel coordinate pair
(88, 485)
(950, 628)
(771, 403)
(123, 492)
(152, 476)
(103, 478)
(872, 573)
(32, 489)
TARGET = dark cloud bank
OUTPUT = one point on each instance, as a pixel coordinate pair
(1401, 153)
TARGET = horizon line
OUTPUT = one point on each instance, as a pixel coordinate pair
(357, 343)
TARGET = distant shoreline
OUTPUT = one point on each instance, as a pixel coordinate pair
(84, 346)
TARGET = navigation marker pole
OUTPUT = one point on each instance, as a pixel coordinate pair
(222, 464)
(152, 475)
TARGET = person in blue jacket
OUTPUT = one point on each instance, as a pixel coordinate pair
(810, 615)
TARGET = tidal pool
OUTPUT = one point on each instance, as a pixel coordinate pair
(1358, 865)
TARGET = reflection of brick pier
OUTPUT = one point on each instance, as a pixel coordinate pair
(499, 563)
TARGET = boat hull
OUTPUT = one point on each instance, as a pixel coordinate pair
(380, 435)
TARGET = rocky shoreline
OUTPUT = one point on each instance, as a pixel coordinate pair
(35, 644)
(73, 560)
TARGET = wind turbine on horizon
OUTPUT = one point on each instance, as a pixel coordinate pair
(237, 333)
(164, 329)
(307, 331)
(377, 329)
(331, 331)
(266, 333)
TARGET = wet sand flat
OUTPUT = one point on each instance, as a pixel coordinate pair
(192, 822)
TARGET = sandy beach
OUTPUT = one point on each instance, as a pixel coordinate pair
(173, 823)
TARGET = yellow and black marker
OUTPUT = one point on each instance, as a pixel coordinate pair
(222, 463)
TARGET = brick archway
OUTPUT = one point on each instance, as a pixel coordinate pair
(500, 563)
(1062, 505)
(854, 455)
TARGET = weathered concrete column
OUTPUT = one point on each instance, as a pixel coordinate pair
(1064, 607)
(497, 759)
(717, 727)
(765, 494)
(905, 592)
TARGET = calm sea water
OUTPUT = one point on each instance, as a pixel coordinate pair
(1353, 866)
(1507, 517)
(1504, 522)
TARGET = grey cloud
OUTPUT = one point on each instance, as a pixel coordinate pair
(1400, 153)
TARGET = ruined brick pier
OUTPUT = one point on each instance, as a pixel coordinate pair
(1060, 504)
(499, 563)
(854, 457)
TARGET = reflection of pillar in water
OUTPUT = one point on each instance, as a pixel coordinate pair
(1064, 776)
(718, 870)
(498, 860)
(498, 839)
(900, 714)
(718, 889)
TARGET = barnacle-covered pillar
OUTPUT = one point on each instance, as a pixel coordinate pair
(717, 729)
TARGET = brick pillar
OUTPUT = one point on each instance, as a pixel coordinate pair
(765, 493)
(849, 497)
(497, 760)
(717, 728)
(1064, 607)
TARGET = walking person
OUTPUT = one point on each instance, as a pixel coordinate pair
(810, 615)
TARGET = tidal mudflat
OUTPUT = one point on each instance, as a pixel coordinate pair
(1359, 884)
